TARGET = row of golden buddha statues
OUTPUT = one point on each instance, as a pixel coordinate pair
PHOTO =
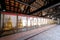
(8, 24)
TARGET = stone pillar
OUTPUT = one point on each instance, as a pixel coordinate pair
(58, 21)
(0, 15)
(0, 19)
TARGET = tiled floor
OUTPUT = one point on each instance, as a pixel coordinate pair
(51, 34)
(24, 35)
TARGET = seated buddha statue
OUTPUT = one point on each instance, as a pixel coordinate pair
(8, 24)
(20, 25)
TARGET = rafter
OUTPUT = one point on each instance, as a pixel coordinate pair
(46, 7)
(25, 4)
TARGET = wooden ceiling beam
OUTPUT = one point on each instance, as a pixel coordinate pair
(51, 5)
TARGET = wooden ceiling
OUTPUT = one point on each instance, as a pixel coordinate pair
(16, 6)
(31, 7)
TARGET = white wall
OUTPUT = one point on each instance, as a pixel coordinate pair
(31, 21)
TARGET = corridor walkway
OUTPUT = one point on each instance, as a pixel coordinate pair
(51, 34)
(28, 34)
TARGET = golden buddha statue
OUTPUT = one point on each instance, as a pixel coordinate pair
(8, 24)
(20, 25)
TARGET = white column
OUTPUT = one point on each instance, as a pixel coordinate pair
(58, 20)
